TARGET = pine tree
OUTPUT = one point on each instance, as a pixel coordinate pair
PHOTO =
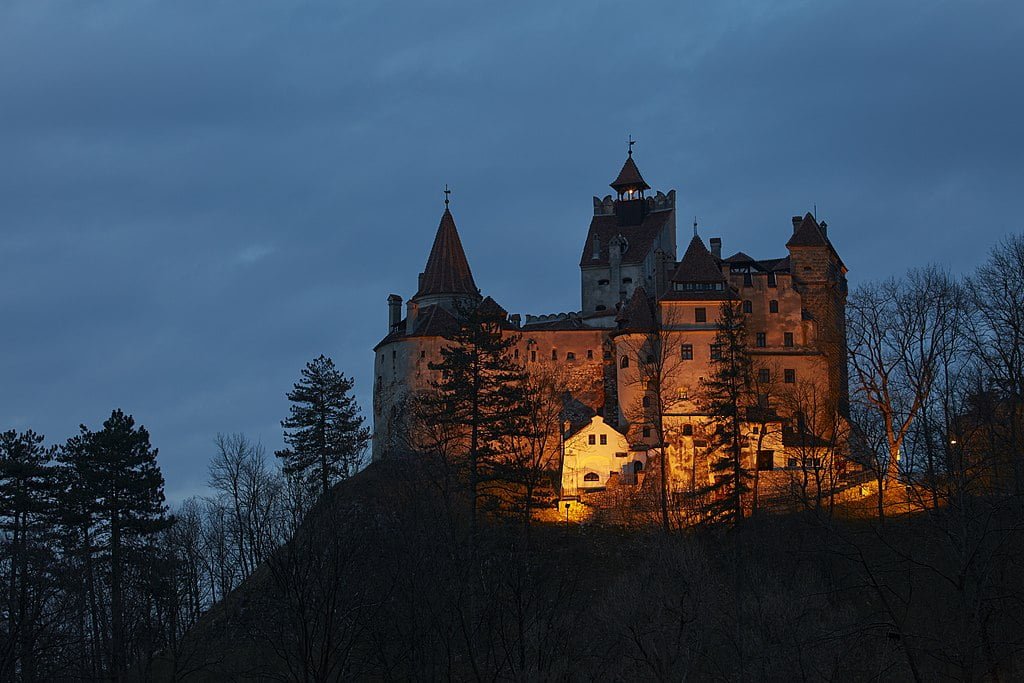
(480, 391)
(727, 394)
(324, 430)
(115, 483)
(27, 528)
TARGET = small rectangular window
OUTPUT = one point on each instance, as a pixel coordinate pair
(687, 430)
(647, 432)
(533, 356)
(748, 306)
(766, 460)
(771, 280)
(423, 354)
(687, 351)
(621, 454)
(570, 356)
(590, 354)
(773, 306)
(716, 352)
(700, 315)
(764, 375)
(762, 340)
(684, 393)
(747, 281)
(788, 339)
(790, 376)
(554, 354)
(604, 439)
(591, 439)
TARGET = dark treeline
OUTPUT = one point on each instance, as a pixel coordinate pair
(426, 566)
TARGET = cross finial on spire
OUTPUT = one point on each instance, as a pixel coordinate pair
(694, 226)
(630, 141)
(446, 193)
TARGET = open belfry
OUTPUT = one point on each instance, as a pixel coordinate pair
(637, 355)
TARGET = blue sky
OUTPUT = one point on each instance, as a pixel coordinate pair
(198, 197)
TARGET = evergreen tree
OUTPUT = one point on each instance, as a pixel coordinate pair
(115, 487)
(727, 393)
(29, 565)
(480, 391)
(324, 430)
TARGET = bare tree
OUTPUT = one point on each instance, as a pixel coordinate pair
(897, 331)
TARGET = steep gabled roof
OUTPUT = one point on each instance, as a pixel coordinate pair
(637, 316)
(629, 177)
(447, 270)
(698, 265)
(490, 308)
(807, 234)
(739, 257)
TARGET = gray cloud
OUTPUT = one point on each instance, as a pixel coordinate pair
(198, 197)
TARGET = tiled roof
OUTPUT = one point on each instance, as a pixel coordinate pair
(640, 237)
(807, 234)
(791, 438)
(629, 177)
(434, 321)
(447, 270)
(637, 316)
(739, 257)
(490, 308)
(698, 265)
(775, 265)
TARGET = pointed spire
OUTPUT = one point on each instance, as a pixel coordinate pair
(629, 177)
(447, 270)
(698, 265)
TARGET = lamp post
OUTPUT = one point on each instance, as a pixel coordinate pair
(567, 515)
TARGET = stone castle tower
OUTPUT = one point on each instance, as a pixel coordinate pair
(633, 287)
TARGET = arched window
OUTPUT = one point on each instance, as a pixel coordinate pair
(624, 363)
(591, 476)
(748, 307)
(570, 356)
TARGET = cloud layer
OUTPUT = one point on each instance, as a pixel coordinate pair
(198, 197)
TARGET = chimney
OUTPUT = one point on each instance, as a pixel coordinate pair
(394, 311)
(716, 247)
(797, 220)
(411, 311)
(419, 281)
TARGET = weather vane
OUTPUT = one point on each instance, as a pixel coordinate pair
(446, 193)
(694, 226)
(631, 142)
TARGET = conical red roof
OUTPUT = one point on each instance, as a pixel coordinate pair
(447, 270)
(629, 177)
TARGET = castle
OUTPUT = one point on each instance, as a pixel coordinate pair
(634, 290)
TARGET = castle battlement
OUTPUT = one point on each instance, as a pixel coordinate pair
(635, 294)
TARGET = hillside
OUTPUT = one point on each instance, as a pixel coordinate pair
(381, 583)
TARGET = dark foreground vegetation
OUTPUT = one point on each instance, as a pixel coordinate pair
(380, 582)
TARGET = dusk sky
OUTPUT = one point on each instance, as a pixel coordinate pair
(196, 198)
